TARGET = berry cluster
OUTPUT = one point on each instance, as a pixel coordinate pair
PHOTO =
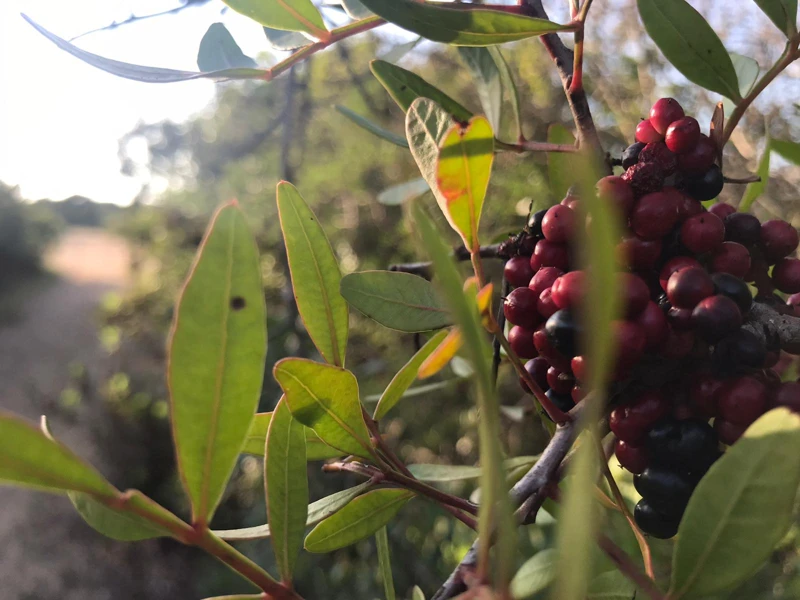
(682, 351)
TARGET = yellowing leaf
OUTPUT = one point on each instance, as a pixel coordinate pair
(442, 355)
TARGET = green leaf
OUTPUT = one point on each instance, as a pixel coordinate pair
(788, 150)
(358, 520)
(690, 44)
(534, 575)
(141, 72)
(405, 87)
(285, 40)
(755, 189)
(364, 123)
(385, 562)
(216, 358)
(740, 510)
(612, 585)
(115, 524)
(461, 26)
(560, 165)
(286, 486)
(466, 155)
(287, 15)
(325, 398)
(255, 442)
(400, 301)
(406, 376)
(509, 88)
(417, 593)
(486, 73)
(781, 12)
(315, 275)
(355, 9)
(448, 473)
(403, 192)
(317, 511)
(218, 50)
(747, 71)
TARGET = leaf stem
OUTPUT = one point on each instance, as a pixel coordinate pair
(629, 569)
(524, 146)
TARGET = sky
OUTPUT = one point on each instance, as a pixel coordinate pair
(60, 119)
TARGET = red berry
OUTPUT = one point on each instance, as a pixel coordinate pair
(635, 293)
(630, 422)
(664, 112)
(674, 265)
(794, 302)
(544, 279)
(742, 400)
(645, 133)
(786, 275)
(633, 458)
(680, 319)
(658, 153)
(687, 287)
(778, 239)
(721, 209)
(742, 227)
(519, 308)
(521, 342)
(517, 271)
(682, 135)
(644, 178)
(687, 206)
(715, 317)
(637, 253)
(731, 258)
(537, 369)
(569, 289)
(702, 394)
(654, 324)
(578, 367)
(550, 254)
(787, 394)
(577, 393)
(630, 343)
(654, 215)
(546, 305)
(678, 344)
(700, 158)
(560, 381)
(558, 224)
(728, 432)
(546, 349)
(703, 233)
(617, 192)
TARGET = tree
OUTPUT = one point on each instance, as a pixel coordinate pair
(643, 325)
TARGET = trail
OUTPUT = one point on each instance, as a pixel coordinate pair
(46, 550)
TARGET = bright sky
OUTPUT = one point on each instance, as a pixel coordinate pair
(60, 119)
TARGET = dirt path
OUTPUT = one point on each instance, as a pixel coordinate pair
(46, 550)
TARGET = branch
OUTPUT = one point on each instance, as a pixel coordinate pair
(461, 254)
(774, 328)
(530, 146)
(135, 18)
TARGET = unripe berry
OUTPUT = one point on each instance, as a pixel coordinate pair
(637, 253)
(654, 325)
(743, 228)
(687, 206)
(558, 224)
(616, 192)
(722, 210)
(644, 178)
(682, 135)
(654, 215)
(742, 400)
(645, 133)
(630, 156)
(673, 265)
(715, 317)
(521, 342)
(635, 293)
(546, 349)
(731, 258)
(778, 239)
(700, 158)
(703, 233)
(568, 290)
(631, 457)
(578, 367)
(665, 112)
(543, 279)
(687, 287)
(631, 421)
(546, 306)
(794, 302)
(517, 271)
(659, 154)
(630, 343)
(680, 319)
(560, 381)
(706, 186)
(550, 254)
(519, 308)
(786, 275)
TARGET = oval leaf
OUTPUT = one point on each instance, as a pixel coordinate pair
(466, 155)
(325, 398)
(404, 87)
(315, 275)
(358, 520)
(397, 140)
(611, 586)
(285, 40)
(406, 376)
(417, 593)
(286, 485)
(461, 26)
(355, 9)
(317, 511)
(141, 72)
(385, 562)
(288, 15)
(740, 510)
(788, 150)
(781, 12)
(755, 189)
(218, 50)
(447, 473)
(115, 524)
(316, 449)
(442, 355)
(403, 192)
(747, 71)
(396, 300)
(216, 358)
(534, 575)
(689, 43)
(560, 166)
(486, 74)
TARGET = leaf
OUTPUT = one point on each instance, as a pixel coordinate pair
(612, 585)
(397, 52)
(404, 87)
(417, 594)
(255, 442)
(218, 50)
(747, 71)
(325, 398)
(317, 511)
(466, 155)
(447, 473)
(141, 72)
(403, 192)
(315, 275)
(534, 575)
(287, 15)
(419, 390)
(355, 9)
(716, 129)
(117, 525)
(560, 166)
(374, 129)
(509, 88)
(216, 358)
(465, 26)
(385, 562)
(690, 44)
(486, 74)
(285, 40)
(442, 355)
(406, 376)
(740, 510)
(788, 150)
(29, 458)
(755, 189)
(286, 486)
(400, 301)
(781, 12)
(358, 520)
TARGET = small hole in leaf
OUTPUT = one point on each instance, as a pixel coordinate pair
(238, 303)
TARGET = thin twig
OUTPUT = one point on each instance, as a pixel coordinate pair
(460, 254)
(524, 146)
(136, 18)
(629, 569)
(501, 324)
(748, 179)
